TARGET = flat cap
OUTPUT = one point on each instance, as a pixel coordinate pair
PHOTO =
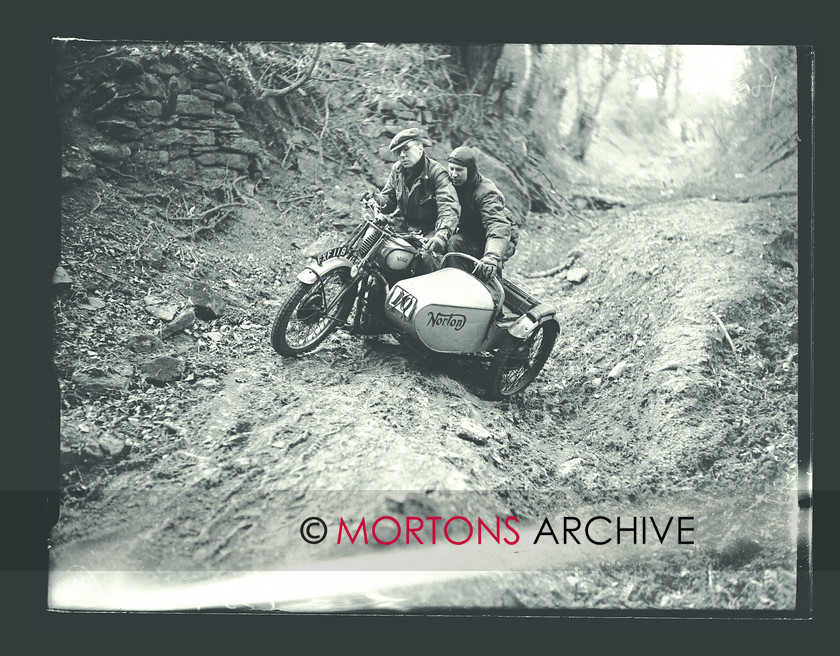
(404, 137)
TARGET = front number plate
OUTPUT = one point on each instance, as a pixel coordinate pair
(338, 251)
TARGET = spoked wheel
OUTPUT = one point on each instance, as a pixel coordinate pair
(308, 316)
(518, 362)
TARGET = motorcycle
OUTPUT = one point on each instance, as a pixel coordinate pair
(369, 285)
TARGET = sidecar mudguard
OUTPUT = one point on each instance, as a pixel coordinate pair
(534, 317)
(313, 272)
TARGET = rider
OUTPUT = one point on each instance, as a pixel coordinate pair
(486, 228)
(419, 192)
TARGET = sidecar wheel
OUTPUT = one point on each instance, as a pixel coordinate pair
(302, 321)
(518, 362)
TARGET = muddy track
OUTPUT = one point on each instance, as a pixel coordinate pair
(366, 428)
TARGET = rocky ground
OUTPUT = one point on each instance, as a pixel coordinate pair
(191, 452)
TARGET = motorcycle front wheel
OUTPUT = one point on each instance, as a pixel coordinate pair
(311, 313)
(518, 362)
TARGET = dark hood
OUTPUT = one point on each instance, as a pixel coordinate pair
(464, 156)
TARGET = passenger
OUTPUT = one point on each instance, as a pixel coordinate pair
(486, 229)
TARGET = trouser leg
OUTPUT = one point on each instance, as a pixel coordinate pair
(460, 244)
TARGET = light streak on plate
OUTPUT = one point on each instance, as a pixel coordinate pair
(284, 590)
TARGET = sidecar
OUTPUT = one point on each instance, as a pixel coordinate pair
(451, 311)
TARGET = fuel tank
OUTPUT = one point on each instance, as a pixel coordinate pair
(448, 311)
(396, 254)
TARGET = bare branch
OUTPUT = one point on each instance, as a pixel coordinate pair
(555, 270)
(205, 213)
(242, 196)
(274, 93)
(725, 332)
(87, 62)
(200, 229)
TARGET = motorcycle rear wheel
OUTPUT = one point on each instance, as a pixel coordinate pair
(303, 321)
(518, 362)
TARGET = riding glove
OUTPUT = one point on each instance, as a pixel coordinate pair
(437, 244)
(487, 267)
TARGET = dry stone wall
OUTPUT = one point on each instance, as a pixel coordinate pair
(181, 120)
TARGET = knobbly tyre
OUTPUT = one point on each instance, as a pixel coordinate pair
(367, 286)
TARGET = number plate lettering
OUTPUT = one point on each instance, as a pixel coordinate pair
(338, 251)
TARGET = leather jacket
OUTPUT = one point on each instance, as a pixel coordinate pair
(484, 217)
(429, 204)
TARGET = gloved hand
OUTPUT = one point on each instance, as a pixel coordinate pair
(487, 267)
(366, 196)
(437, 244)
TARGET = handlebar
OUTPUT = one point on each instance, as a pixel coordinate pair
(381, 221)
(371, 204)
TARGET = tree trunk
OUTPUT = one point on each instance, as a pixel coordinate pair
(531, 93)
(582, 135)
(590, 96)
(474, 66)
(525, 82)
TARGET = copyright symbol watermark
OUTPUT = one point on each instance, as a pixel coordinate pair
(313, 530)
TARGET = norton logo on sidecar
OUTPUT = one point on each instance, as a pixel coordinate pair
(406, 305)
(455, 321)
